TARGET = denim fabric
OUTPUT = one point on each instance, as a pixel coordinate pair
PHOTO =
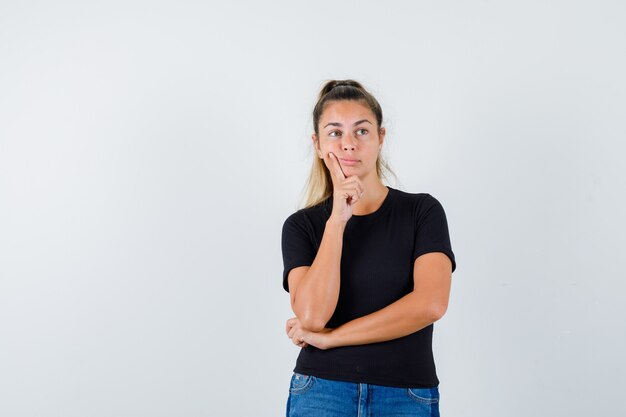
(311, 396)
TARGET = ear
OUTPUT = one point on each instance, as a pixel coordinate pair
(316, 145)
(381, 137)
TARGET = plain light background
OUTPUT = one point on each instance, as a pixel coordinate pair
(151, 150)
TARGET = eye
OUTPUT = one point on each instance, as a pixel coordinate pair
(362, 132)
(334, 133)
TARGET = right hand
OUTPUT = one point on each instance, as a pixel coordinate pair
(347, 191)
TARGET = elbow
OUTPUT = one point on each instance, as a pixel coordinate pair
(310, 318)
(314, 324)
(437, 311)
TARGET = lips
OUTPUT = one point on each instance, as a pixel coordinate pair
(349, 162)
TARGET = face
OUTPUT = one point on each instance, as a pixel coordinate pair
(348, 129)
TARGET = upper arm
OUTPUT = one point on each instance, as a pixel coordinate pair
(434, 260)
(298, 250)
(294, 277)
(432, 276)
(431, 230)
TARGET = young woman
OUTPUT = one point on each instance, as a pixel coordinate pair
(368, 269)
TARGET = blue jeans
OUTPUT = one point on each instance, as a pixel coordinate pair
(311, 396)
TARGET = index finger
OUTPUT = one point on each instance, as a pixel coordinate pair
(336, 166)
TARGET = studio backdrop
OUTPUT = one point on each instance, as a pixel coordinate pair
(150, 152)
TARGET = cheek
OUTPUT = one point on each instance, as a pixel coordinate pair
(329, 146)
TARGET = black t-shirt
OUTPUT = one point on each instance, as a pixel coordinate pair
(377, 260)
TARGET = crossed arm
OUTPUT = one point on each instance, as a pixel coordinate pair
(427, 303)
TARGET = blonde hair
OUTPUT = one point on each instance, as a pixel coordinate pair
(319, 185)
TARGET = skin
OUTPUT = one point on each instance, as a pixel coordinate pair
(348, 130)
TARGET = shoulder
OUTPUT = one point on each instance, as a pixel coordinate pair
(308, 216)
(418, 201)
(420, 207)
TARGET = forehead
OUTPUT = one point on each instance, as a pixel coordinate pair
(346, 111)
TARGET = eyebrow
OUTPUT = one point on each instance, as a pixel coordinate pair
(340, 125)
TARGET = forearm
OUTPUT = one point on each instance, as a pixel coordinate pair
(401, 318)
(317, 294)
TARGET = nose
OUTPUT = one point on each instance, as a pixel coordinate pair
(348, 142)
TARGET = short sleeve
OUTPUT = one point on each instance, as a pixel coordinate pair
(431, 233)
(297, 246)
